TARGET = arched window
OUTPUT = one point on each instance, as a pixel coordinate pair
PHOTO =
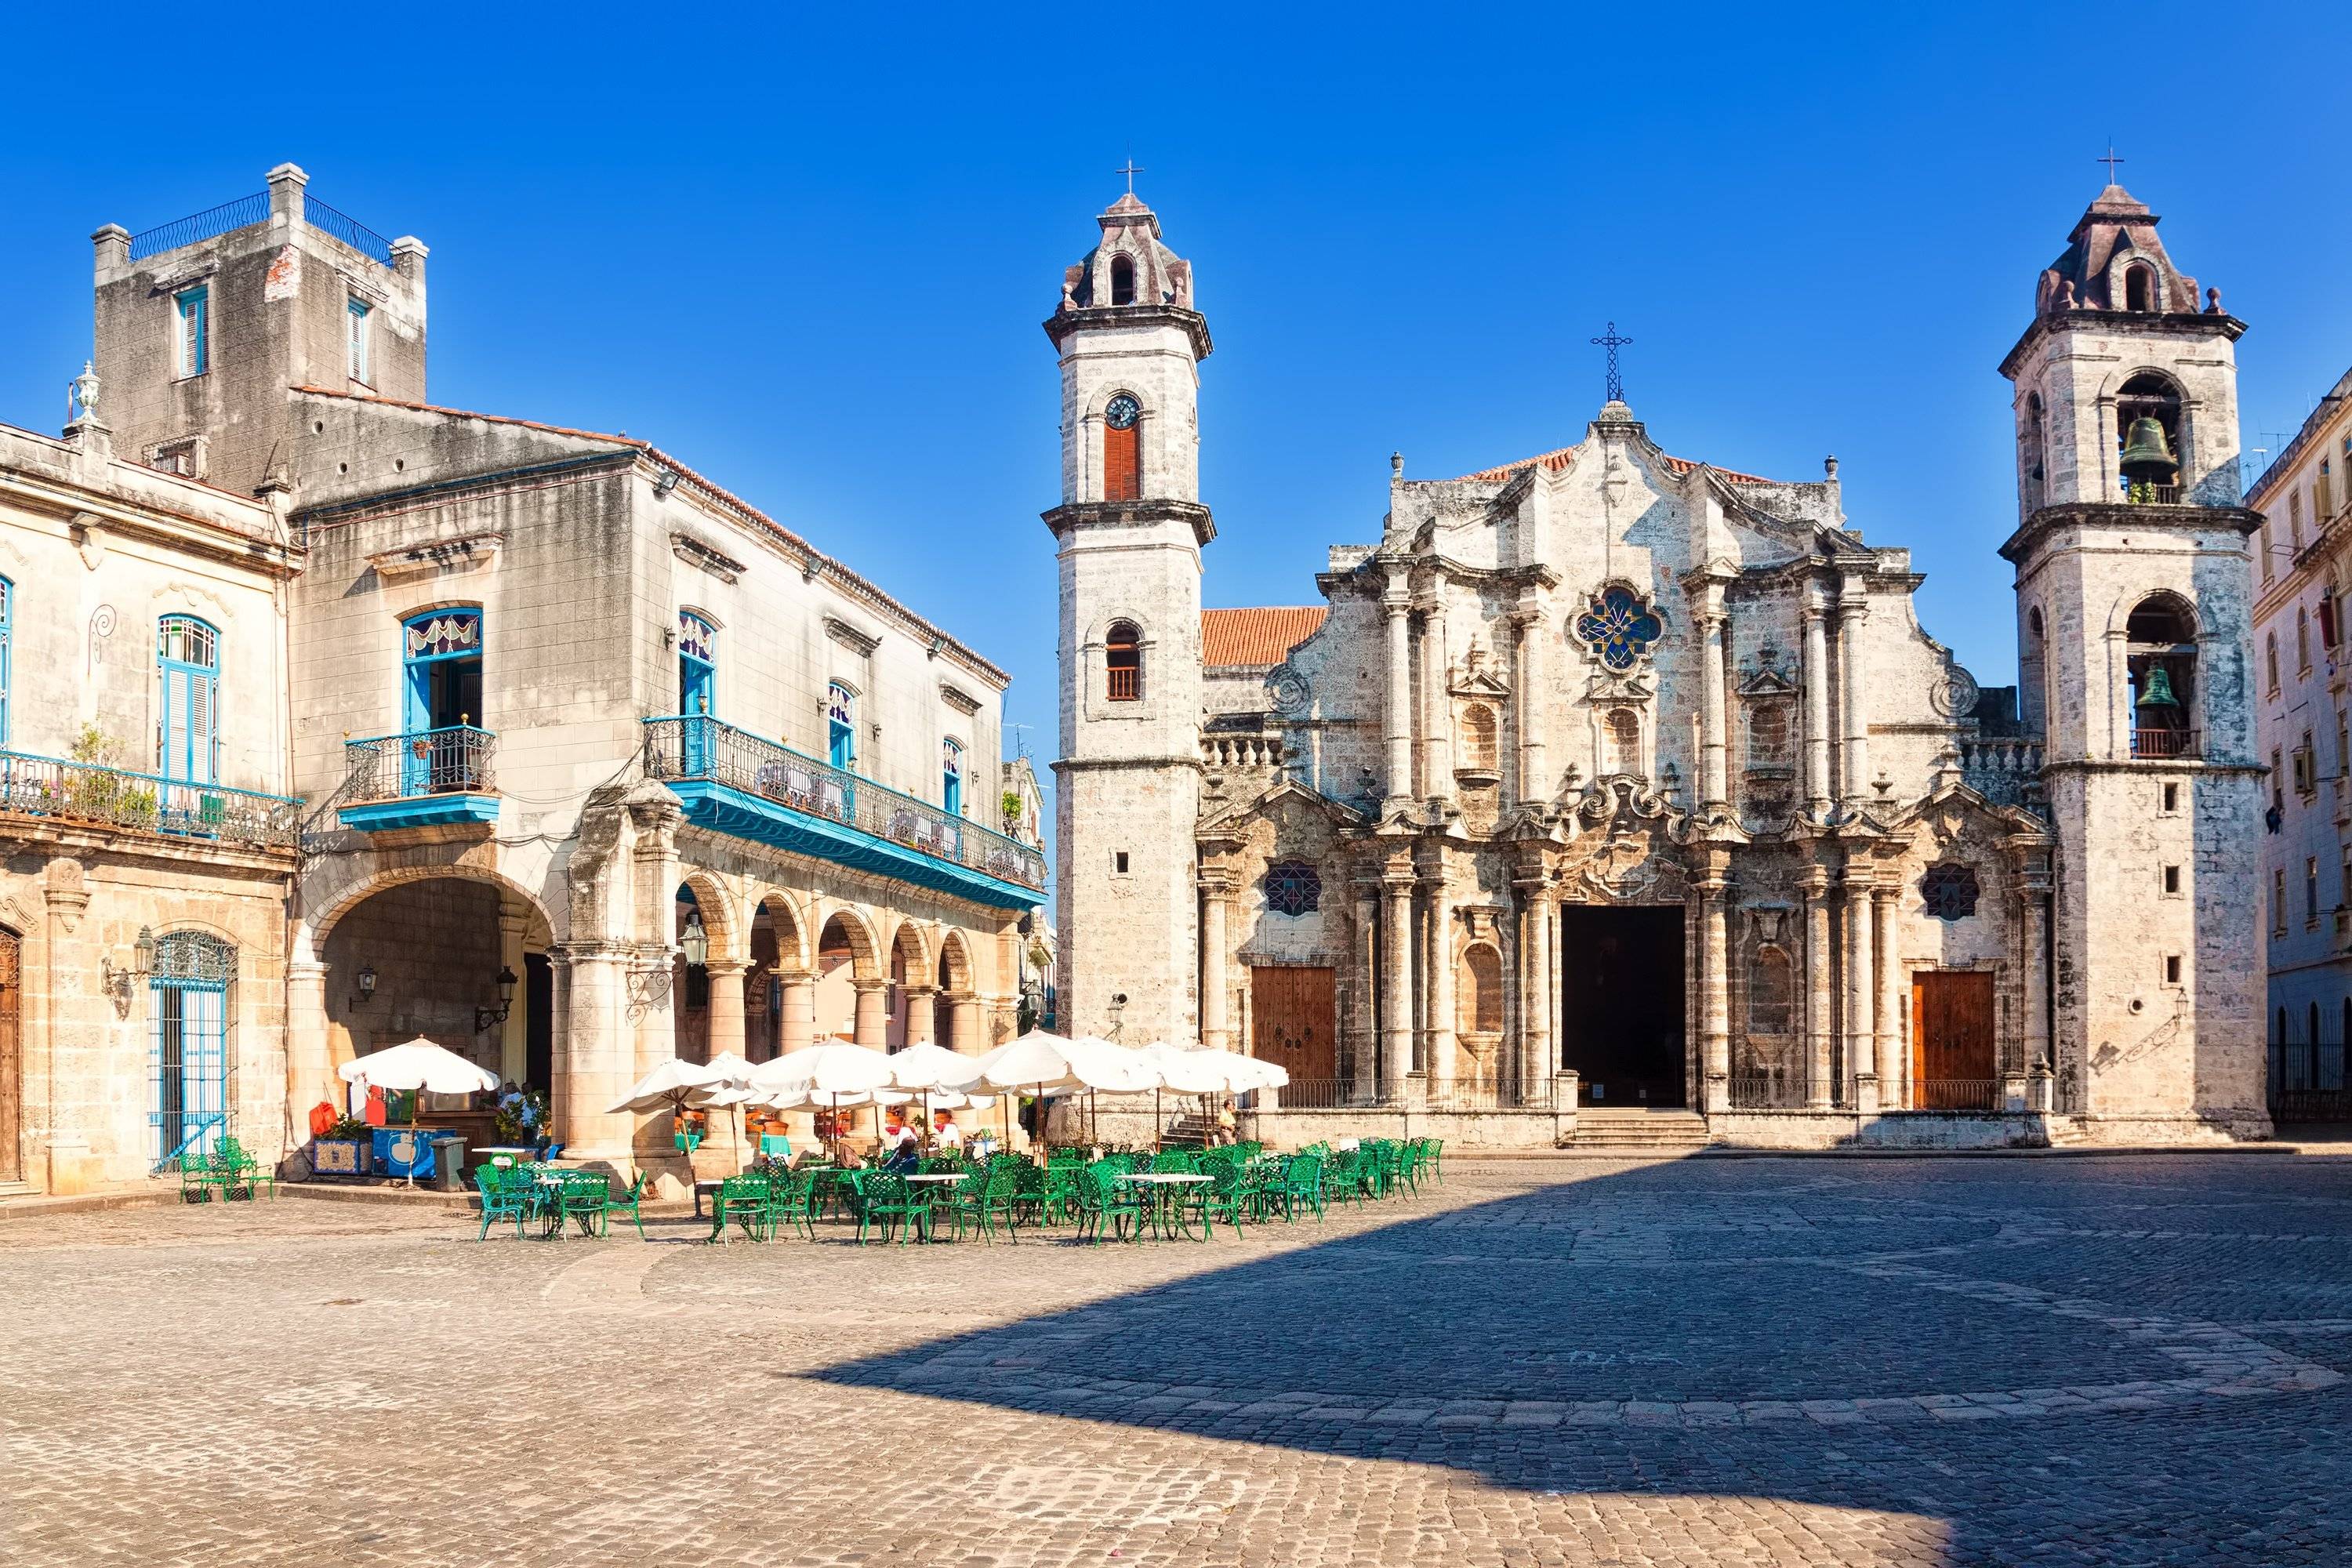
(952, 777)
(2160, 654)
(1123, 662)
(2302, 640)
(697, 663)
(2139, 288)
(2270, 659)
(1478, 748)
(187, 664)
(1771, 994)
(1481, 1007)
(187, 1060)
(2029, 459)
(1622, 739)
(2149, 395)
(1122, 279)
(840, 726)
(1123, 449)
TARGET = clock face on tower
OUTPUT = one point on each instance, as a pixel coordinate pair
(1122, 412)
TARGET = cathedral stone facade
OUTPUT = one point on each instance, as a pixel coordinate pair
(1611, 781)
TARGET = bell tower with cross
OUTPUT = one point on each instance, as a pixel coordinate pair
(1130, 532)
(2134, 611)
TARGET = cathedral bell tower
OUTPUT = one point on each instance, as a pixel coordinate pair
(1130, 530)
(2134, 606)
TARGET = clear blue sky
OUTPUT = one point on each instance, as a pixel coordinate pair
(811, 255)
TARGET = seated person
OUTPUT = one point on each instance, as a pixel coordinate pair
(947, 1138)
(901, 1147)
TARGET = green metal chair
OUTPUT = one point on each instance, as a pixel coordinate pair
(502, 1198)
(742, 1202)
(1220, 1197)
(1105, 1201)
(1302, 1186)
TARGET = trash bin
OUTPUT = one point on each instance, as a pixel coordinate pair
(449, 1163)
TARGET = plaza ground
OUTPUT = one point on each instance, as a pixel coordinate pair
(1742, 1361)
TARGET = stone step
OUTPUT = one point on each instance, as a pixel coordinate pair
(1639, 1130)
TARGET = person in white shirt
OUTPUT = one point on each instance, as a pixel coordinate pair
(945, 1134)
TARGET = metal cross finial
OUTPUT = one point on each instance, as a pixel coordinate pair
(2110, 161)
(1131, 169)
(1613, 342)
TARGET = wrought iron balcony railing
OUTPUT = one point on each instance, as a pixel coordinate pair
(696, 747)
(454, 761)
(67, 791)
(2165, 743)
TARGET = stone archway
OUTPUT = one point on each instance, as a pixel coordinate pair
(958, 1019)
(849, 979)
(913, 988)
(778, 988)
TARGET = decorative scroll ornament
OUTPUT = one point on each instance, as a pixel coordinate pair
(1287, 689)
(1953, 694)
(1618, 627)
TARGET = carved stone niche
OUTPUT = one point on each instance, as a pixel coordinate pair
(1479, 799)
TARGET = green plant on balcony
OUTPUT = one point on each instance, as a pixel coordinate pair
(1011, 806)
(96, 790)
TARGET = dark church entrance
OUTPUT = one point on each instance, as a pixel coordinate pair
(1621, 1004)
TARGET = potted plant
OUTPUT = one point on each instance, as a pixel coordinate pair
(344, 1148)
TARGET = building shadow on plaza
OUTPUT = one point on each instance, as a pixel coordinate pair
(1598, 1336)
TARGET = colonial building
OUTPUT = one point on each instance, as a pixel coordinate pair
(598, 762)
(1609, 778)
(2304, 654)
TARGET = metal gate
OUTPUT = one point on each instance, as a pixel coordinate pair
(188, 1055)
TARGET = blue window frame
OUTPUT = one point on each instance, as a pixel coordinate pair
(841, 727)
(952, 777)
(187, 733)
(188, 1044)
(441, 683)
(193, 347)
(697, 663)
(7, 624)
(355, 325)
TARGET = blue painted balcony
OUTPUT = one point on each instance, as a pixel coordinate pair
(93, 795)
(735, 783)
(426, 778)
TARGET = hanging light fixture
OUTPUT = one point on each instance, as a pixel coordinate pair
(694, 942)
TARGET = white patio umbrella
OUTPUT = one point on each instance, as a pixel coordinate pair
(831, 1071)
(1182, 1069)
(929, 1068)
(731, 1076)
(1040, 1063)
(670, 1087)
(416, 1066)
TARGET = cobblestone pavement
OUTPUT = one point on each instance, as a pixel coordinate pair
(2054, 1360)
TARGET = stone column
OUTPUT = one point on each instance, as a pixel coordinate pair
(871, 1021)
(966, 1037)
(514, 1034)
(1437, 971)
(797, 1027)
(1714, 988)
(1217, 1032)
(1820, 1086)
(1527, 702)
(1396, 710)
(725, 977)
(922, 1013)
(1861, 994)
(2035, 929)
(1534, 1010)
(1894, 1079)
(596, 1061)
(1363, 1005)
(1437, 719)
(309, 1054)
(1817, 787)
(1396, 986)
(71, 1002)
(1716, 788)
(1853, 610)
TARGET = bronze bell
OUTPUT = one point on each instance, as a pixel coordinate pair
(2148, 457)
(2158, 692)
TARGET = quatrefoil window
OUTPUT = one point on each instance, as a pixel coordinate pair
(1618, 627)
(1949, 891)
(1292, 887)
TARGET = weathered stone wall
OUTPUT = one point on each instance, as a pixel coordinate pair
(434, 948)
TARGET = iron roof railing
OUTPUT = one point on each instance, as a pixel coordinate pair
(349, 231)
(242, 213)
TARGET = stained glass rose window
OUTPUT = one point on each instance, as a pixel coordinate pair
(1292, 887)
(1618, 627)
(1949, 891)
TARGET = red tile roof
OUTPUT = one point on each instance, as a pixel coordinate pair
(1554, 461)
(1256, 636)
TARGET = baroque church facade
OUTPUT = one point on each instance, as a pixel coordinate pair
(1613, 780)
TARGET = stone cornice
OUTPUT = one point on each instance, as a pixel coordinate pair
(2168, 323)
(1074, 515)
(1062, 325)
(2126, 515)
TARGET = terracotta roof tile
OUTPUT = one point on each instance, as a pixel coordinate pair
(1256, 636)
(1554, 461)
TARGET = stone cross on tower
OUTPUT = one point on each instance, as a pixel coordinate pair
(2110, 161)
(1616, 382)
(1130, 169)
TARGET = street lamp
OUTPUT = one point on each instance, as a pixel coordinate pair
(484, 1017)
(694, 942)
(116, 982)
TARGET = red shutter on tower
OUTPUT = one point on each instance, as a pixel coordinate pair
(1122, 464)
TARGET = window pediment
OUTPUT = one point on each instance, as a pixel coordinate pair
(856, 639)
